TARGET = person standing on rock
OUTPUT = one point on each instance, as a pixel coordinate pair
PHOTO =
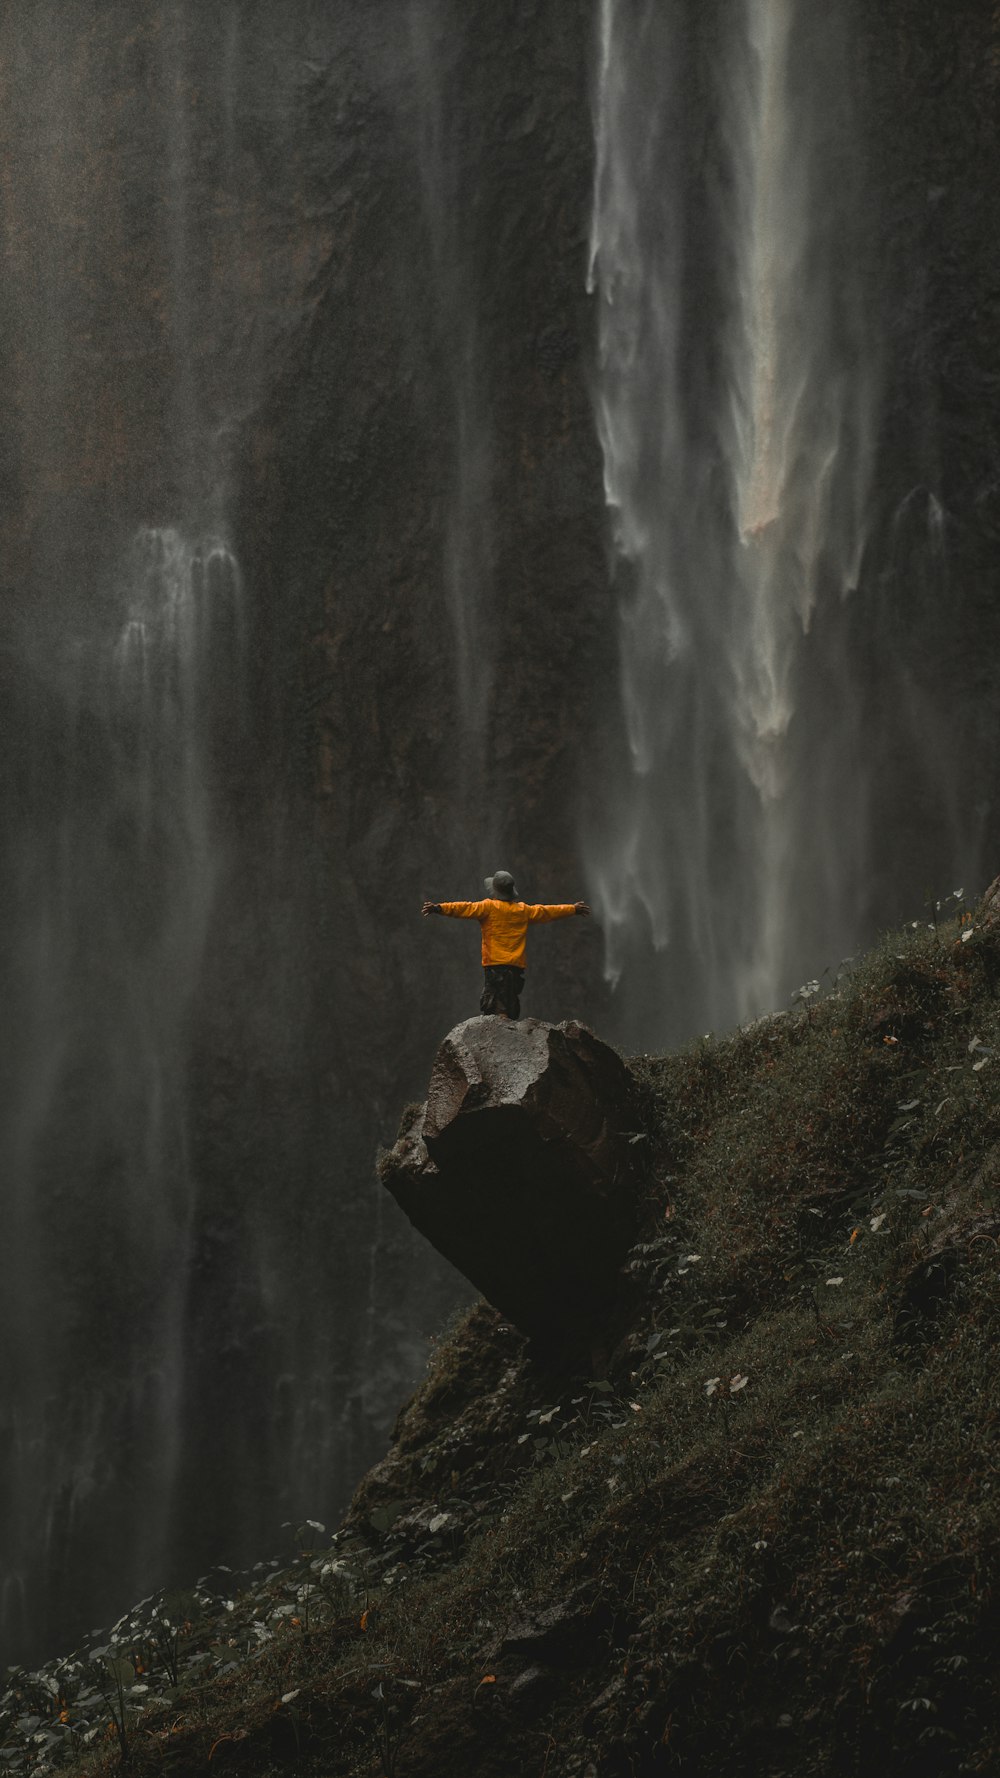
(504, 919)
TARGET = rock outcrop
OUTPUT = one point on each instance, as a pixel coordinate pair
(989, 907)
(517, 1169)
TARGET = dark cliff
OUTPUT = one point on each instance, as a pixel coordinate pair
(269, 277)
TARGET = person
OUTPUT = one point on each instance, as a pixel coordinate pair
(504, 919)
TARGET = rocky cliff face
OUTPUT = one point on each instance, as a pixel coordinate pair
(272, 283)
(294, 312)
(930, 122)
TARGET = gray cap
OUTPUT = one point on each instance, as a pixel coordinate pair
(501, 886)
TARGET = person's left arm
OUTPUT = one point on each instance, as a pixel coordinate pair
(560, 910)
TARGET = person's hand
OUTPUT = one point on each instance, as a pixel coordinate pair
(581, 907)
(431, 907)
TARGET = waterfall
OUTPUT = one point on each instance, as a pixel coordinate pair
(735, 403)
(125, 658)
(111, 897)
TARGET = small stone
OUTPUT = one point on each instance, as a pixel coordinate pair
(525, 1680)
(530, 1686)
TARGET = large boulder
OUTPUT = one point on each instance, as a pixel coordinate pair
(518, 1169)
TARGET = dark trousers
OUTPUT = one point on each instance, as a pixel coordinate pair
(502, 988)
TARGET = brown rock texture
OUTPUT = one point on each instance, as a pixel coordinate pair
(517, 1169)
(989, 910)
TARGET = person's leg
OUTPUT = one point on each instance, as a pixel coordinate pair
(489, 1001)
(516, 990)
(509, 990)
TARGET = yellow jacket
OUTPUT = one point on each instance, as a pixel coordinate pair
(505, 924)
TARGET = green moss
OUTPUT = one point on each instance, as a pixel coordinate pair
(766, 1540)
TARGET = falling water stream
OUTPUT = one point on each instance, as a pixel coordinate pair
(467, 479)
(735, 402)
(112, 897)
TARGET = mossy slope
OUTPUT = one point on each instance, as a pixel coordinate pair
(764, 1540)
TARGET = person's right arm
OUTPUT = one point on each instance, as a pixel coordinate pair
(456, 910)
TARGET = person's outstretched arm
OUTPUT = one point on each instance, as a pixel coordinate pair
(456, 910)
(561, 910)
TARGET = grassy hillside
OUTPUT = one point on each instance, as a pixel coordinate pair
(761, 1537)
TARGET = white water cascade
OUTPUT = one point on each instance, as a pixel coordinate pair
(735, 405)
(112, 892)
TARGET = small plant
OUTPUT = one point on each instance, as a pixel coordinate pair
(122, 1676)
(391, 1724)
